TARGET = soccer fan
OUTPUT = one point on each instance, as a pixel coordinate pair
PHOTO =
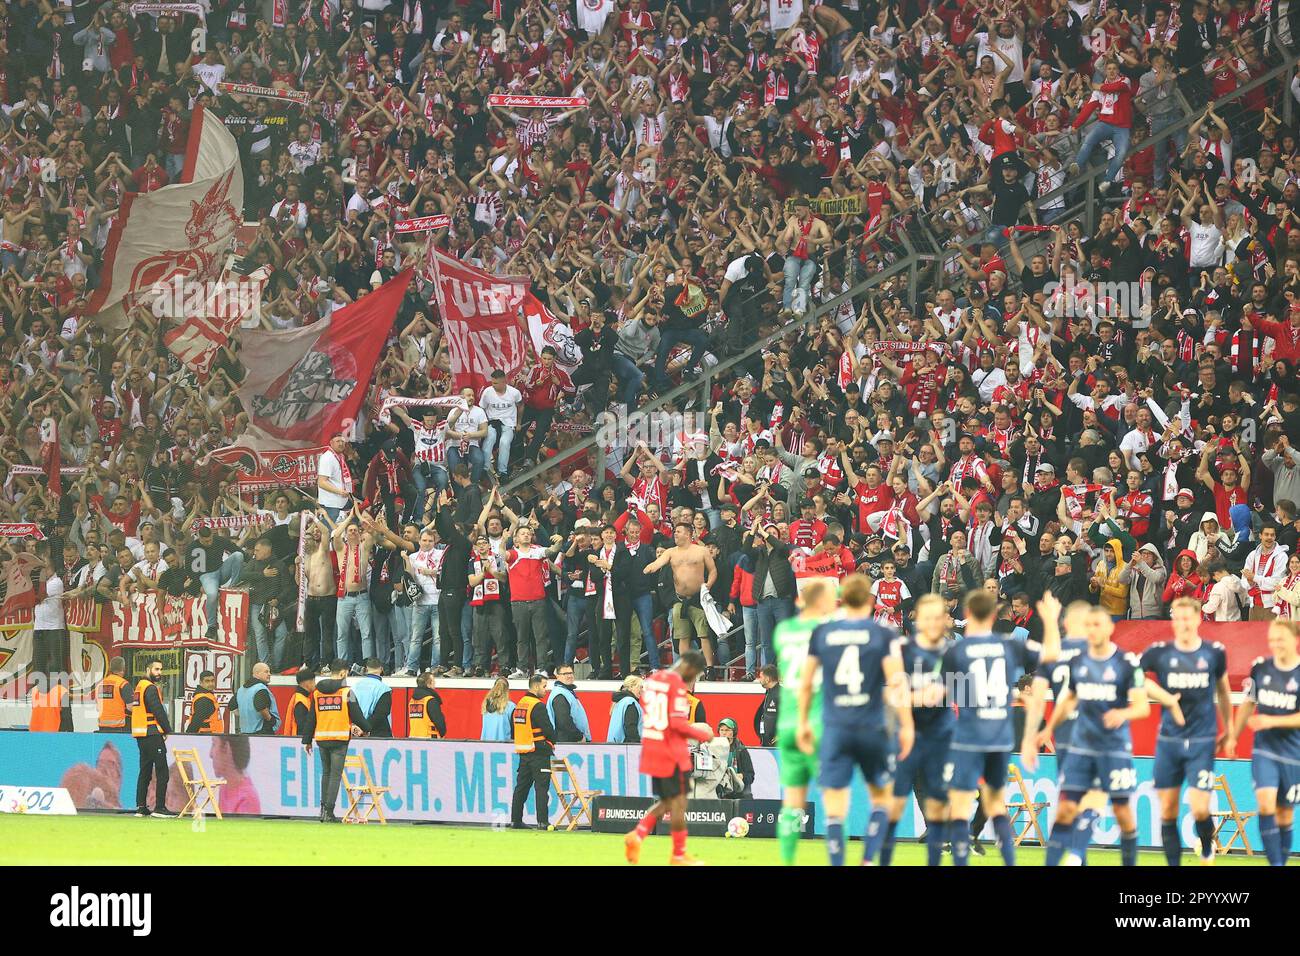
(1271, 709)
(859, 662)
(665, 755)
(986, 666)
(1188, 678)
(1106, 690)
(791, 639)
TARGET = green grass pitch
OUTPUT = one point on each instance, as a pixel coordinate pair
(97, 839)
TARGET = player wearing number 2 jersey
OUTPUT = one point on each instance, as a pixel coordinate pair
(1106, 690)
(665, 754)
(857, 659)
(1272, 710)
(791, 639)
(1188, 678)
(982, 670)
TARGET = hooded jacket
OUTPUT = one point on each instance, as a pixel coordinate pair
(1193, 585)
(1114, 588)
(1206, 545)
(1146, 586)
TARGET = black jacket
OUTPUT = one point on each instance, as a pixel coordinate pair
(565, 730)
(330, 685)
(630, 579)
(631, 719)
(455, 563)
(434, 708)
(765, 716)
(777, 561)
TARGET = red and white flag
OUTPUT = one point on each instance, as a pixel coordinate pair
(183, 230)
(51, 455)
(208, 325)
(306, 385)
(480, 315)
(545, 329)
(422, 224)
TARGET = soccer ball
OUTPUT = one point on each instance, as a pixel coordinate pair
(737, 827)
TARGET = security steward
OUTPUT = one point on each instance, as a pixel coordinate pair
(52, 709)
(334, 716)
(205, 717)
(534, 743)
(300, 704)
(113, 697)
(424, 717)
(150, 726)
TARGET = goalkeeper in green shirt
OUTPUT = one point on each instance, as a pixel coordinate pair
(817, 603)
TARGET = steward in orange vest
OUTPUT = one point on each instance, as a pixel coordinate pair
(534, 743)
(300, 704)
(330, 722)
(205, 718)
(424, 717)
(113, 697)
(150, 726)
(51, 710)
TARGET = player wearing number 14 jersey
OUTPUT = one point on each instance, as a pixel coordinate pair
(665, 754)
(982, 669)
(1105, 689)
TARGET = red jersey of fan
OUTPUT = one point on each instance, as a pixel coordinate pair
(807, 534)
(667, 726)
(871, 500)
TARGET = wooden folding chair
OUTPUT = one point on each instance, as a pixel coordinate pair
(200, 788)
(364, 798)
(1024, 810)
(575, 802)
(1238, 819)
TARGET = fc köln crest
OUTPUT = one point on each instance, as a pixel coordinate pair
(323, 377)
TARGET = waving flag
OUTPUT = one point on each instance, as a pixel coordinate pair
(306, 385)
(545, 329)
(480, 317)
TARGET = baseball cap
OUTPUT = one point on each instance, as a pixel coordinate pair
(1046, 467)
(1185, 492)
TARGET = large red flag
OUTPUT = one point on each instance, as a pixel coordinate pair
(480, 317)
(306, 385)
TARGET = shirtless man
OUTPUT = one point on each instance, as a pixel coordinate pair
(322, 599)
(802, 240)
(354, 541)
(693, 569)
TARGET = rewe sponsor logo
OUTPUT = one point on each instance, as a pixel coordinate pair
(75, 909)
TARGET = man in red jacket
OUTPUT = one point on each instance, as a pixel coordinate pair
(1285, 335)
(1112, 101)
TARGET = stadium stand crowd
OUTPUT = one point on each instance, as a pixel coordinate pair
(1006, 423)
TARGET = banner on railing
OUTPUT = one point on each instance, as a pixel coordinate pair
(839, 206)
(159, 621)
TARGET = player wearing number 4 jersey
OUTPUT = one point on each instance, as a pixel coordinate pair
(1272, 710)
(860, 661)
(791, 639)
(1106, 690)
(665, 755)
(982, 670)
(1188, 678)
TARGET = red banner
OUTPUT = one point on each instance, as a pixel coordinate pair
(1243, 640)
(481, 319)
(511, 100)
(158, 621)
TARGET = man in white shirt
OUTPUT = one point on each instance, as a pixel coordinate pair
(424, 566)
(466, 429)
(1206, 247)
(503, 404)
(333, 479)
(1265, 567)
(1137, 441)
(49, 638)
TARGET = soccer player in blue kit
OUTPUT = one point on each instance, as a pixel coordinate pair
(922, 658)
(982, 670)
(1106, 689)
(1189, 679)
(860, 665)
(1271, 709)
(1056, 677)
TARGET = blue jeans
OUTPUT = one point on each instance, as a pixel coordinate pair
(769, 613)
(270, 647)
(643, 606)
(427, 475)
(500, 445)
(575, 612)
(1097, 134)
(391, 628)
(214, 581)
(174, 163)
(799, 273)
(630, 379)
(353, 607)
(1167, 149)
(749, 617)
(474, 456)
(669, 338)
(424, 618)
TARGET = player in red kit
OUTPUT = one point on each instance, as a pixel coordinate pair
(665, 755)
